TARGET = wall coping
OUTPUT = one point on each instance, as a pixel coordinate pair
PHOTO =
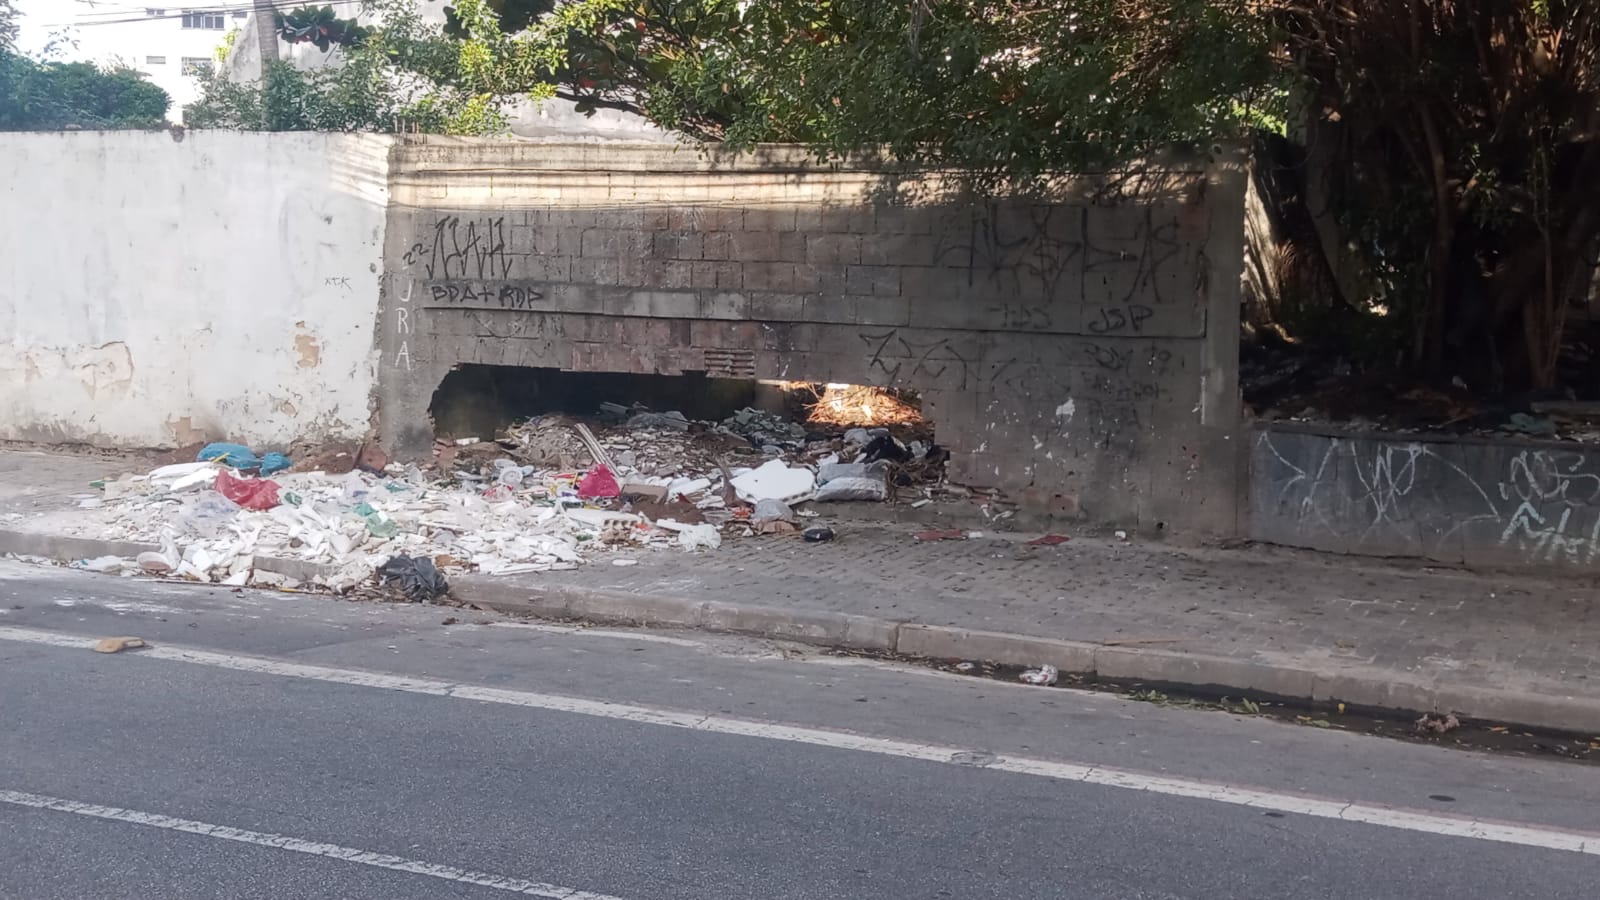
(1333, 430)
(654, 156)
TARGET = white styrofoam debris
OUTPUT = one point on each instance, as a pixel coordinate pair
(204, 478)
(775, 480)
(696, 537)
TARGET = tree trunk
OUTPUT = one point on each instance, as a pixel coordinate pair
(266, 33)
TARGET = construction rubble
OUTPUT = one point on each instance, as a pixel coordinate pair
(550, 494)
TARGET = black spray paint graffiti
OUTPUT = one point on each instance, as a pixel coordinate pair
(484, 296)
(1117, 319)
(474, 249)
(1111, 387)
(1149, 253)
(1048, 255)
(1018, 251)
(932, 363)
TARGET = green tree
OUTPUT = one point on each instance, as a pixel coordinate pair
(8, 24)
(46, 96)
(374, 86)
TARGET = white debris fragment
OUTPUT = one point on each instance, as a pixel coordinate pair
(155, 563)
(697, 537)
(106, 565)
(1044, 675)
(776, 480)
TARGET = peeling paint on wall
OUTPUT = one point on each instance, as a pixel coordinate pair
(307, 348)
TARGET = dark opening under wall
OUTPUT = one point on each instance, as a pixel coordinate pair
(483, 400)
(479, 400)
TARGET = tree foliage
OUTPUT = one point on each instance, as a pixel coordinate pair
(402, 77)
(8, 24)
(1014, 88)
(37, 96)
(320, 27)
(1461, 142)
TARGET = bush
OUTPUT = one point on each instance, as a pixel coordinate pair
(37, 96)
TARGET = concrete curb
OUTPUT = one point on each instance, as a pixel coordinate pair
(66, 549)
(1360, 687)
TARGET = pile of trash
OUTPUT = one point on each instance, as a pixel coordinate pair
(551, 494)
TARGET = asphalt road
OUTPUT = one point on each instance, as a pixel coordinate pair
(278, 746)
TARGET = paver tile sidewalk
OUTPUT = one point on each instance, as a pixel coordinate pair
(1260, 604)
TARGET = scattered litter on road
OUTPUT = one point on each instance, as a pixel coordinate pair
(548, 494)
(238, 456)
(119, 644)
(852, 481)
(944, 534)
(1044, 675)
(417, 577)
(773, 517)
(699, 537)
(105, 565)
(249, 493)
(1121, 535)
(1049, 540)
(775, 480)
(1434, 723)
(599, 484)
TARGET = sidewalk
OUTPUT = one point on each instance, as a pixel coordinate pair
(1509, 647)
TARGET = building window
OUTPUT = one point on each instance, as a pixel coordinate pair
(155, 60)
(155, 12)
(210, 21)
(196, 65)
(241, 14)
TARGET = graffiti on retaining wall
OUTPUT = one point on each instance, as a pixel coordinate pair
(1125, 272)
(1045, 254)
(1109, 387)
(1557, 511)
(1454, 501)
(475, 248)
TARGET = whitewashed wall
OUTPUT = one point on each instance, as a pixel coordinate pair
(157, 290)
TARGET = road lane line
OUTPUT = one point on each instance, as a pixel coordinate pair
(1547, 837)
(296, 845)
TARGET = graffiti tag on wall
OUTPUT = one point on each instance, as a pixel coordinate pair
(1440, 501)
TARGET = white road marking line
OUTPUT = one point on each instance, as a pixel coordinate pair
(296, 845)
(1546, 837)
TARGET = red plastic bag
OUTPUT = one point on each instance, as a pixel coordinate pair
(599, 484)
(250, 493)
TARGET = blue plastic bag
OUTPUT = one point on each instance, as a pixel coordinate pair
(238, 456)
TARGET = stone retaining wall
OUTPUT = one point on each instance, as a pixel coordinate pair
(1064, 348)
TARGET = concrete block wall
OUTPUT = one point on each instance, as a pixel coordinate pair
(158, 289)
(1472, 501)
(1064, 347)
